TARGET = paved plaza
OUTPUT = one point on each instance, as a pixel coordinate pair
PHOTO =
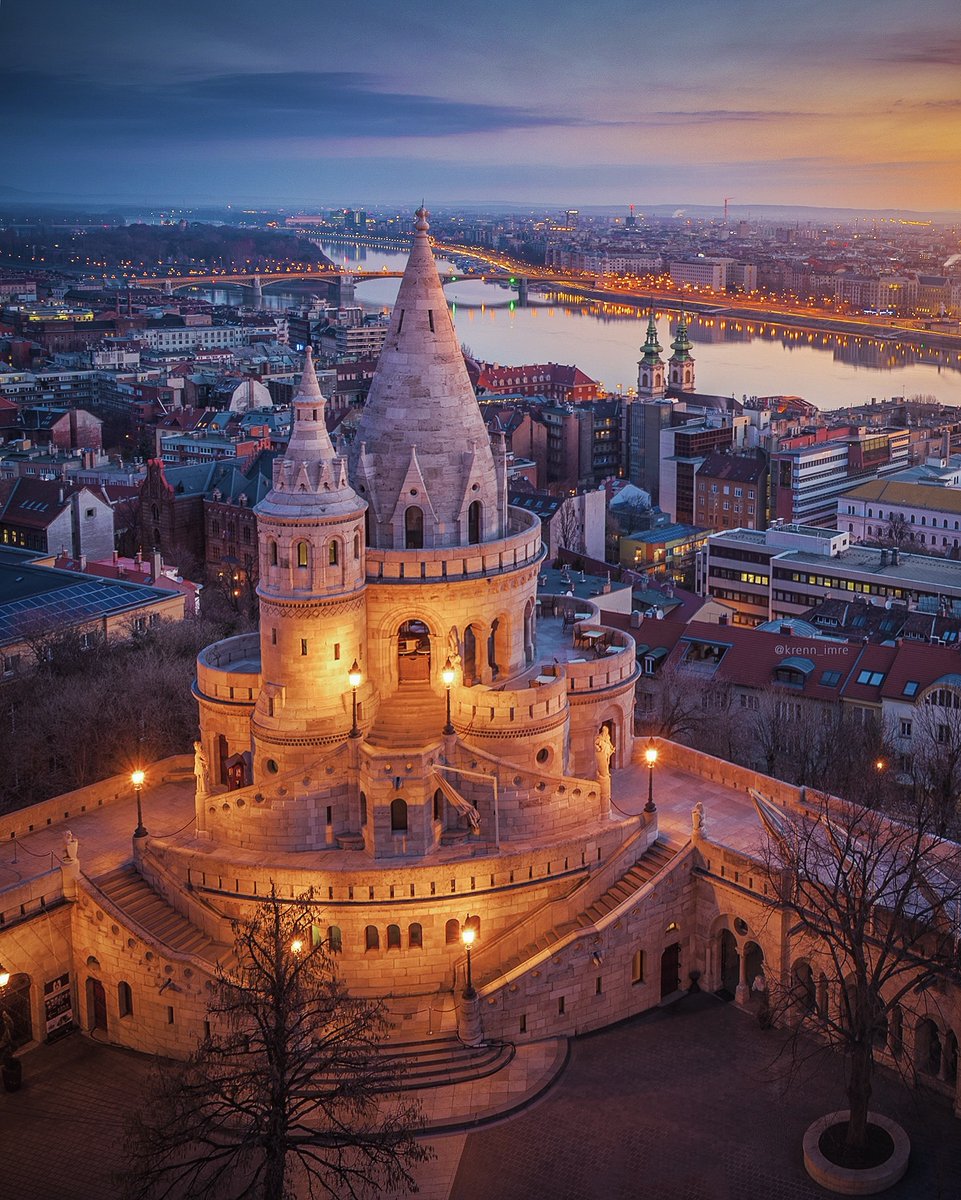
(683, 1103)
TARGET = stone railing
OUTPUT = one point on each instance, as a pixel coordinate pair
(26, 898)
(479, 710)
(612, 663)
(217, 676)
(521, 547)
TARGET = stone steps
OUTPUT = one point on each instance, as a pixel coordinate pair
(438, 1062)
(654, 859)
(134, 896)
(412, 716)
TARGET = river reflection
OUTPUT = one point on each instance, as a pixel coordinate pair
(734, 356)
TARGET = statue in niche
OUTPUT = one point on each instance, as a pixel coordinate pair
(201, 770)
(603, 749)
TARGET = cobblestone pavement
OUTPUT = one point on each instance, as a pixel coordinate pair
(686, 1103)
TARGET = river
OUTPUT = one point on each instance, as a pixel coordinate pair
(734, 356)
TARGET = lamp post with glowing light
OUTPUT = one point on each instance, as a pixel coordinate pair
(4, 976)
(137, 779)
(447, 675)
(650, 756)
(355, 678)
(467, 936)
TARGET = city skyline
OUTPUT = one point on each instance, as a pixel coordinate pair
(561, 104)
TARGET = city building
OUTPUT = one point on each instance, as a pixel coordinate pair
(565, 385)
(810, 470)
(787, 569)
(731, 492)
(907, 514)
(52, 515)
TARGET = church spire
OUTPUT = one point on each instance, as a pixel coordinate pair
(681, 364)
(682, 344)
(651, 382)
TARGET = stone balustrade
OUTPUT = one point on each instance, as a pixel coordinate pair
(521, 547)
(26, 898)
(230, 670)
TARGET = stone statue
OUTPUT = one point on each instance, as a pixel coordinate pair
(70, 847)
(603, 749)
(201, 770)
(697, 820)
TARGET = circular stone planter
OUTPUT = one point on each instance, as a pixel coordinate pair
(849, 1181)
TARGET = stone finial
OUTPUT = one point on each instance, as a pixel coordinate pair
(697, 821)
(420, 223)
(71, 847)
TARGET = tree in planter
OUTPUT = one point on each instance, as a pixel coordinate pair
(287, 1089)
(877, 899)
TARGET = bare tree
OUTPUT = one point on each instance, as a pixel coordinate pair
(674, 709)
(936, 753)
(872, 898)
(288, 1089)
(568, 532)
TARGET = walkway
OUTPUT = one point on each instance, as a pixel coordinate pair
(684, 1103)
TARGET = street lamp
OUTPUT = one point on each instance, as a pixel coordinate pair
(650, 755)
(355, 678)
(4, 976)
(137, 779)
(447, 675)
(468, 933)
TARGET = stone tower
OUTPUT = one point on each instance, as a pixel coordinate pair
(311, 590)
(681, 364)
(651, 376)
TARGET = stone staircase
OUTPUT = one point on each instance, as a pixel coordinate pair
(132, 894)
(415, 714)
(655, 858)
(439, 1062)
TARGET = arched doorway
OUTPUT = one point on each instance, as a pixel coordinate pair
(96, 1005)
(530, 634)
(413, 653)
(730, 963)
(670, 969)
(753, 963)
(804, 989)
(470, 657)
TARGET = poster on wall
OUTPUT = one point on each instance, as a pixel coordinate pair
(58, 1007)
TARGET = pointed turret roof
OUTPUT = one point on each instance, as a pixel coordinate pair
(421, 400)
(682, 344)
(651, 349)
(310, 479)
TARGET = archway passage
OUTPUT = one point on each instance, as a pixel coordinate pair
(413, 653)
(670, 969)
(730, 964)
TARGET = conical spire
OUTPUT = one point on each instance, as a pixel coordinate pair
(421, 397)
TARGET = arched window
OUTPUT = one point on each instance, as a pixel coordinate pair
(452, 931)
(303, 554)
(415, 936)
(637, 967)
(371, 938)
(393, 937)
(438, 805)
(356, 545)
(363, 808)
(333, 553)
(335, 939)
(475, 522)
(414, 528)
(124, 999)
(398, 816)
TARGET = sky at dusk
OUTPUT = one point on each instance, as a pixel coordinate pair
(839, 103)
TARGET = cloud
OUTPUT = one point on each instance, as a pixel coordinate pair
(333, 104)
(945, 52)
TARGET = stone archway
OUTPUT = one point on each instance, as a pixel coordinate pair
(470, 664)
(729, 962)
(670, 969)
(413, 652)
